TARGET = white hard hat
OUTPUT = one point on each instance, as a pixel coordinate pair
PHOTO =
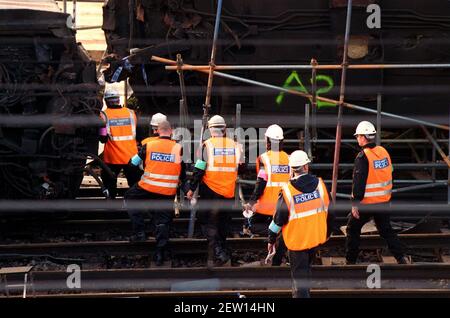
(274, 132)
(298, 158)
(157, 118)
(365, 128)
(111, 93)
(216, 121)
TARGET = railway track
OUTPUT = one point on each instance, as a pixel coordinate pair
(74, 224)
(185, 246)
(397, 280)
(264, 293)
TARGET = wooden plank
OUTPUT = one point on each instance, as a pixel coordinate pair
(446, 259)
(388, 259)
(333, 261)
(89, 181)
(15, 270)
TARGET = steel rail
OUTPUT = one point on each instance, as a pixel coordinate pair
(200, 279)
(183, 246)
(249, 293)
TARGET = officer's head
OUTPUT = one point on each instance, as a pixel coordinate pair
(365, 133)
(274, 138)
(298, 163)
(154, 122)
(164, 129)
(112, 97)
(217, 126)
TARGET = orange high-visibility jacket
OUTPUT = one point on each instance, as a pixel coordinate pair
(148, 139)
(276, 166)
(222, 165)
(379, 178)
(307, 226)
(121, 129)
(162, 167)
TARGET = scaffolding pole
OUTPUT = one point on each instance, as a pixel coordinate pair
(436, 146)
(307, 134)
(337, 146)
(213, 56)
(305, 95)
(308, 67)
(210, 71)
(74, 10)
(378, 119)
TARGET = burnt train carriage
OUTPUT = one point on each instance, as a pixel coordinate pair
(43, 71)
(285, 32)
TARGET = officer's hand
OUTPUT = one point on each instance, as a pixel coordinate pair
(270, 248)
(247, 206)
(190, 195)
(355, 212)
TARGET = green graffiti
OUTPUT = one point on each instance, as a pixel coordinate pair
(324, 90)
(287, 84)
(295, 83)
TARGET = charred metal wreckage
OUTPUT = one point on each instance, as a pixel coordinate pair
(285, 32)
(44, 74)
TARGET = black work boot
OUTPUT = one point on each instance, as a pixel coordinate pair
(138, 237)
(221, 255)
(158, 257)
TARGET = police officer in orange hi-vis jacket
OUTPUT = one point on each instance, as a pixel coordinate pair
(119, 137)
(215, 174)
(164, 170)
(303, 217)
(372, 185)
(272, 169)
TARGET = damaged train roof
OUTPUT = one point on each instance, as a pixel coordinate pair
(31, 15)
(41, 5)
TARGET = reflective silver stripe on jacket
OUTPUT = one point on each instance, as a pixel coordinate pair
(133, 123)
(160, 176)
(377, 193)
(378, 185)
(305, 214)
(121, 138)
(267, 167)
(275, 184)
(159, 183)
(221, 169)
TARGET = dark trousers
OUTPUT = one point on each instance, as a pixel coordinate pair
(161, 219)
(133, 174)
(259, 224)
(301, 272)
(213, 217)
(383, 223)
